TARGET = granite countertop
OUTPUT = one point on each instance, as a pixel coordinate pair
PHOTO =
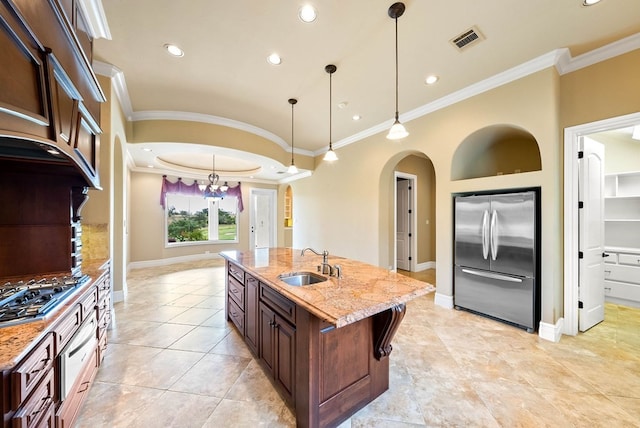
(17, 340)
(364, 290)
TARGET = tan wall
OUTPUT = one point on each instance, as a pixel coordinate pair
(425, 235)
(601, 91)
(147, 225)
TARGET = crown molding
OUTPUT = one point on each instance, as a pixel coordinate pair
(97, 24)
(604, 53)
(118, 83)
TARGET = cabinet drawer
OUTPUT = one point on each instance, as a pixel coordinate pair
(283, 306)
(621, 290)
(236, 315)
(39, 407)
(236, 272)
(103, 306)
(612, 258)
(236, 292)
(622, 273)
(28, 373)
(630, 259)
(88, 304)
(104, 286)
(68, 326)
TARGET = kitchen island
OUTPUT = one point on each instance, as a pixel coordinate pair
(325, 346)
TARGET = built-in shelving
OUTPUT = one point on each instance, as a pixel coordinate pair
(622, 238)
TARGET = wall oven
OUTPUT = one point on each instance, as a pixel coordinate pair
(73, 359)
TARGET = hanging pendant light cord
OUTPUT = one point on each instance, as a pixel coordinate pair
(396, 19)
(291, 132)
(330, 91)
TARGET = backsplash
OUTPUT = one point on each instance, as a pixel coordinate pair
(95, 241)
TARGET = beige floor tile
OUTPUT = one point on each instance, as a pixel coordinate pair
(188, 300)
(200, 339)
(176, 409)
(596, 410)
(194, 316)
(242, 414)
(116, 405)
(233, 345)
(162, 336)
(164, 369)
(213, 375)
(253, 385)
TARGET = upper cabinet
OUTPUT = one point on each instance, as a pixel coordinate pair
(49, 96)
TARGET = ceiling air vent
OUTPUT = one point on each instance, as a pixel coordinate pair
(470, 37)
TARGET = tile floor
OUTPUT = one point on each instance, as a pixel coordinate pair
(173, 361)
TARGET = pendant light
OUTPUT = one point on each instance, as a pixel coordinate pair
(292, 168)
(397, 131)
(330, 155)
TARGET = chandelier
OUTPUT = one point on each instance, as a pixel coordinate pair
(213, 190)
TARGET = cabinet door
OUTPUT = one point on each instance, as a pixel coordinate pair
(251, 313)
(24, 105)
(285, 355)
(267, 347)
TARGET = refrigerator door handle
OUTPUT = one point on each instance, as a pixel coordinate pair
(494, 235)
(492, 275)
(485, 234)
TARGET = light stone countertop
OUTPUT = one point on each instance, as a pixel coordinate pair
(364, 290)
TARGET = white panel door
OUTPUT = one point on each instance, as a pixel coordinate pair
(403, 224)
(591, 235)
(263, 215)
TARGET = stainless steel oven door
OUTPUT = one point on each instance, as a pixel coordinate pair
(73, 358)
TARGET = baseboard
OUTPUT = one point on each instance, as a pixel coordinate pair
(424, 266)
(118, 296)
(551, 332)
(172, 260)
(443, 300)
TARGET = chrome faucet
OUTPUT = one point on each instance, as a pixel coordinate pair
(325, 268)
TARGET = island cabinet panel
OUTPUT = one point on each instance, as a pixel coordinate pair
(251, 320)
(277, 350)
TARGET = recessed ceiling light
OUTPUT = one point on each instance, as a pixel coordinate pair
(149, 166)
(274, 59)
(174, 50)
(356, 117)
(343, 104)
(146, 149)
(430, 80)
(590, 2)
(307, 13)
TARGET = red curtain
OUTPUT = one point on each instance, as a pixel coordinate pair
(181, 188)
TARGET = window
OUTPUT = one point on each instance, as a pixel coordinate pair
(194, 219)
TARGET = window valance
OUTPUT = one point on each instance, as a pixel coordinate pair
(181, 188)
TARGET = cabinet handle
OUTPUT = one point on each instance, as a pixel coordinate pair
(44, 364)
(44, 405)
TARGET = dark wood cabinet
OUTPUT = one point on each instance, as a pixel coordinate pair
(251, 324)
(49, 95)
(24, 103)
(277, 349)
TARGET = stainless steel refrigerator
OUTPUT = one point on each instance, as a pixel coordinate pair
(496, 256)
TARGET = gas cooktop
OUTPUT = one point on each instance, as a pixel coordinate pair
(29, 301)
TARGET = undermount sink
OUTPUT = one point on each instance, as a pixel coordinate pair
(301, 278)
